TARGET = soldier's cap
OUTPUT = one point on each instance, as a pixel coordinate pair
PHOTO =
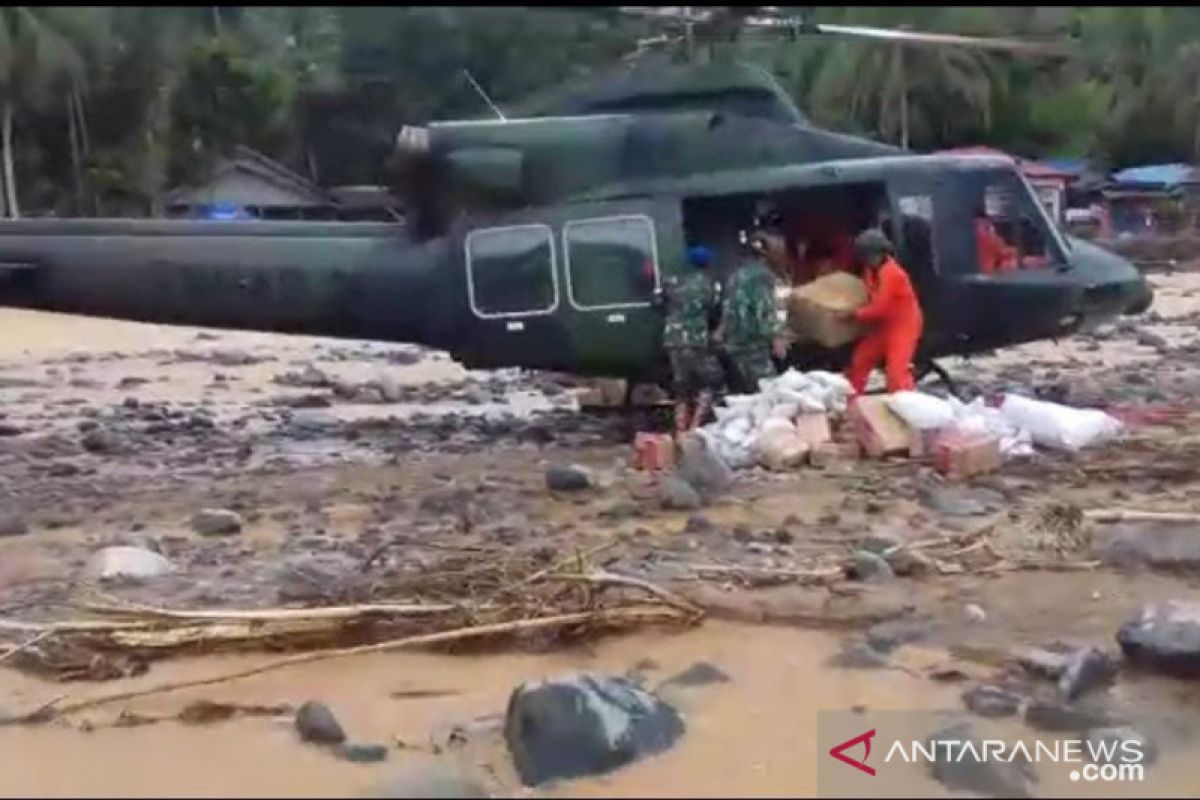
(872, 242)
(699, 256)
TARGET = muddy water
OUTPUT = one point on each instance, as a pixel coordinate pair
(753, 736)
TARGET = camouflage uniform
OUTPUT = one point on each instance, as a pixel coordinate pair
(749, 323)
(689, 300)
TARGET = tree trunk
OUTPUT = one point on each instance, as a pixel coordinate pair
(10, 180)
(76, 156)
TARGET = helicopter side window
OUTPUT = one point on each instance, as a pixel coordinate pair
(1011, 232)
(611, 262)
(916, 226)
(510, 271)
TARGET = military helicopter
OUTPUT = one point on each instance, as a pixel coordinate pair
(538, 239)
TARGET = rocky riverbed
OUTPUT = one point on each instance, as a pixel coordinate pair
(186, 469)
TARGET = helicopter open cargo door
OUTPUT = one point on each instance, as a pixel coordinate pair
(570, 287)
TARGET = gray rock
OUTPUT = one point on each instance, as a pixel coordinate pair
(390, 388)
(316, 723)
(433, 780)
(102, 442)
(1086, 670)
(696, 523)
(362, 753)
(702, 468)
(13, 525)
(127, 563)
(991, 701)
(888, 635)
(585, 724)
(1120, 745)
(1060, 718)
(962, 501)
(676, 494)
(1149, 339)
(880, 543)
(1165, 546)
(1165, 638)
(314, 576)
(960, 769)
(908, 563)
(1045, 662)
(858, 655)
(701, 673)
(567, 478)
(216, 522)
(312, 421)
(869, 567)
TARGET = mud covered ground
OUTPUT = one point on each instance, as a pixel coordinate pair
(348, 463)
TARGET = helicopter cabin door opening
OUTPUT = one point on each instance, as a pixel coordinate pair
(569, 287)
(813, 228)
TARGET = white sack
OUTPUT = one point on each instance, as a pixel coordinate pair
(1060, 427)
(922, 412)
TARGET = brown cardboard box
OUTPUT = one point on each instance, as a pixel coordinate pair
(961, 456)
(813, 429)
(815, 310)
(879, 431)
(833, 452)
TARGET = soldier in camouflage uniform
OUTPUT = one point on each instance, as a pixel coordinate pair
(689, 300)
(751, 328)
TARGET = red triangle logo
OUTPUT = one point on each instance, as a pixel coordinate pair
(839, 752)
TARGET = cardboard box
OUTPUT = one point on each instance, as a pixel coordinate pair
(878, 430)
(816, 310)
(653, 452)
(829, 453)
(961, 456)
(923, 443)
(813, 429)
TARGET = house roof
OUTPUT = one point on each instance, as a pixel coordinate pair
(281, 185)
(1157, 176)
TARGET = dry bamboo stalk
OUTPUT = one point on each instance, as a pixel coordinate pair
(609, 579)
(1132, 515)
(606, 616)
(278, 614)
(718, 569)
(26, 645)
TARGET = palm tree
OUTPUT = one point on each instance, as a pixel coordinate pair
(42, 50)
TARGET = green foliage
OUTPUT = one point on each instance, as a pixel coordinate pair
(164, 91)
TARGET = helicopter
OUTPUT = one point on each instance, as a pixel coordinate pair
(539, 240)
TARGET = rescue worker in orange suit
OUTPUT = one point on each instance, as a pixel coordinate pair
(892, 313)
(995, 255)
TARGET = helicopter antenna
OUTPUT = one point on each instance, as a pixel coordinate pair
(479, 89)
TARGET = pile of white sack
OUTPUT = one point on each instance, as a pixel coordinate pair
(745, 419)
(1018, 424)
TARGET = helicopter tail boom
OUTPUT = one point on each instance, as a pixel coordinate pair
(349, 280)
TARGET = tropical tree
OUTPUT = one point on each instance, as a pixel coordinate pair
(43, 55)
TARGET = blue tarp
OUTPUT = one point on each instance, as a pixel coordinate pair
(1072, 166)
(1158, 176)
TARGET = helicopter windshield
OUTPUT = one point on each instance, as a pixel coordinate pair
(1012, 229)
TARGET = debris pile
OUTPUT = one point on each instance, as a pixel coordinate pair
(800, 418)
(475, 595)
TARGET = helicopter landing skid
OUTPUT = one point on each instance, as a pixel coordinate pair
(932, 367)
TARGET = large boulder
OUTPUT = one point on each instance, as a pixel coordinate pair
(959, 770)
(1158, 545)
(585, 724)
(1164, 637)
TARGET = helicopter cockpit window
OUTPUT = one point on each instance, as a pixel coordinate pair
(611, 262)
(1011, 229)
(510, 271)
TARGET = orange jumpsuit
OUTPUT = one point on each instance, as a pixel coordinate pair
(897, 324)
(994, 254)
